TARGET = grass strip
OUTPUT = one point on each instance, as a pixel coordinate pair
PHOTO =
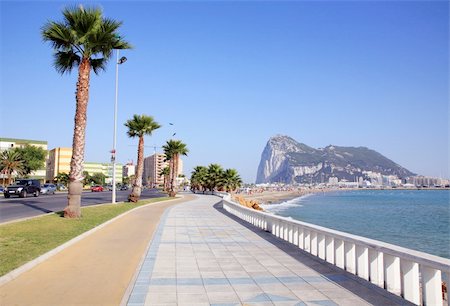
(23, 241)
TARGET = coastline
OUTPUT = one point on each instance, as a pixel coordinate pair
(265, 197)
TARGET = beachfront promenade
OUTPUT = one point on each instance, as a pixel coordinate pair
(202, 255)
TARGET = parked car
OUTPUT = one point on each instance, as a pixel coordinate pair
(124, 187)
(48, 189)
(2, 189)
(97, 188)
(23, 187)
(108, 187)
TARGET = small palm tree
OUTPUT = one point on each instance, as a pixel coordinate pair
(140, 126)
(85, 40)
(198, 178)
(230, 180)
(215, 173)
(11, 162)
(165, 172)
(173, 149)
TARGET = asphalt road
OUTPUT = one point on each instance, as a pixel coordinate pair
(18, 208)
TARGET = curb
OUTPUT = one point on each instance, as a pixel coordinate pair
(31, 264)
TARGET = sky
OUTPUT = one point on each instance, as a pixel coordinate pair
(231, 74)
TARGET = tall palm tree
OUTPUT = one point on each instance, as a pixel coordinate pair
(11, 162)
(140, 126)
(84, 39)
(173, 149)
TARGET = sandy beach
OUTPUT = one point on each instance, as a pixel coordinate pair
(274, 197)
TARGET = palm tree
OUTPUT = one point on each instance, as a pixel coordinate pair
(198, 178)
(230, 180)
(140, 126)
(165, 172)
(11, 162)
(173, 149)
(214, 176)
(85, 40)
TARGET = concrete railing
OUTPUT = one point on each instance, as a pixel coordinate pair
(413, 275)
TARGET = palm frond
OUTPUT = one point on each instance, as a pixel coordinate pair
(65, 61)
(98, 64)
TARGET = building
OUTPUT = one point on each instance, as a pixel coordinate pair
(153, 165)
(58, 162)
(106, 169)
(9, 143)
(128, 170)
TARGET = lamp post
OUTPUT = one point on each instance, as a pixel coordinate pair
(120, 61)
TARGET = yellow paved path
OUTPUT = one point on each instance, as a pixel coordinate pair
(94, 271)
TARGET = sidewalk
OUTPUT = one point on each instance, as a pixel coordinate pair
(94, 271)
(200, 255)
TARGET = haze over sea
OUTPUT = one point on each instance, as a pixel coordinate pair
(415, 219)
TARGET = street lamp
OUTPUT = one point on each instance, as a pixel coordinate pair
(120, 61)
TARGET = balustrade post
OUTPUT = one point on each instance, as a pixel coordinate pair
(432, 286)
(295, 242)
(291, 233)
(392, 274)
(329, 245)
(339, 253)
(301, 238)
(321, 246)
(349, 248)
(307, 242)
(411, 286)
(376, 268)
(362, 262)
(313, 246)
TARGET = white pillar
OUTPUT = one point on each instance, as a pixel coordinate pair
(321, 246)
(329, 245)
(314, 243)
(301, 238)
(291, 233)
(307, 242)
(392, 274)
(295, 242)
(432, 286)
(349, 248)
(339, 253)
(411, 287)
(376, 268)
(362, 262)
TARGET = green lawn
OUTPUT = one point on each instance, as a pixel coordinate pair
(23, 241)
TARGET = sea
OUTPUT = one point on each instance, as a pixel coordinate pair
(415, 219)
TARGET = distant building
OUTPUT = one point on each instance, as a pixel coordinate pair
(106, 169)
(58, 162)
(9, 143)
(333, 181)
(153, 165)
(128, 170)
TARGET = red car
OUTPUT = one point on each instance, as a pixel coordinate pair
(96, 188)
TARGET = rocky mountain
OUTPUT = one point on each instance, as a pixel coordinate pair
(288, 161)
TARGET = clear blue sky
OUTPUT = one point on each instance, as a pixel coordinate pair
(230, 74)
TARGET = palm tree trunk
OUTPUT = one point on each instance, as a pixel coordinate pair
(73, 208)
(137, 186)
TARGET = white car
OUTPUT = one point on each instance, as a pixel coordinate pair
(48, 189)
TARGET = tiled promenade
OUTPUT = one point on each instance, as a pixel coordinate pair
(200, 255)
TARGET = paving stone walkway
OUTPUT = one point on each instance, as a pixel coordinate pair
(200, 255)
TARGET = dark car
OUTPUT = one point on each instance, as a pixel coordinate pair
(23, 188)
(97, 188)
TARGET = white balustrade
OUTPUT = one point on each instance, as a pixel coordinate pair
(413, 275)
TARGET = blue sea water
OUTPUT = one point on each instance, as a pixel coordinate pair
(416, 219)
